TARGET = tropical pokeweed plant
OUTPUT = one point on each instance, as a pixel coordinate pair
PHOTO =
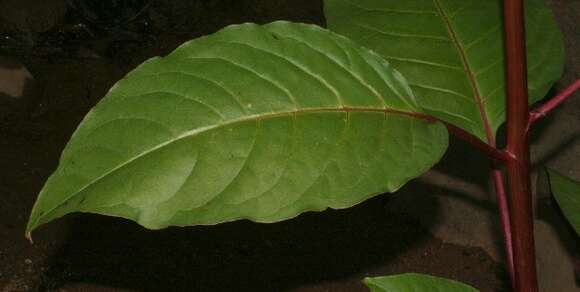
(264, 122)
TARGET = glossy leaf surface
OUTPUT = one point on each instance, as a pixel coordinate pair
(567, 194)
(254, 122)
(415, 283)
(451, 51)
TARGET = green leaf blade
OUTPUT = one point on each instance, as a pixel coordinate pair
(412, 282)
(254, 122)
(452, 53)
(567, 193)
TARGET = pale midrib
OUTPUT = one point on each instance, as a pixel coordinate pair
(470, 74)
(254, 117)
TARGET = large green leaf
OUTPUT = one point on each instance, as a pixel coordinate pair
(415, 283)
(256, 122)
(451, 51)
(567, 194)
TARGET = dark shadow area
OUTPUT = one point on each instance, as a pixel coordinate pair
(465, 163)
(238, 256)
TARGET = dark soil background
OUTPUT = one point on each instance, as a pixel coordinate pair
(76, 54)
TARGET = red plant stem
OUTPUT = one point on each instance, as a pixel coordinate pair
(518, 165)
(504, 213)
(545, 108)
(501, 156)
(498, 180)
(487, 149)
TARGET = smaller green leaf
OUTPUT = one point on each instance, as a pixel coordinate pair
(567, 194)
(415, 283)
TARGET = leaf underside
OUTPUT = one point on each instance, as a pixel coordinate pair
(567, 194)
(255, 122)
(451, 51)
(415, 283)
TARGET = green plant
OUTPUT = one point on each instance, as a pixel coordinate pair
(267, 122)
(567, 193)
(415, 282)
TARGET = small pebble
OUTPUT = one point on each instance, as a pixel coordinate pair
(14, 78)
